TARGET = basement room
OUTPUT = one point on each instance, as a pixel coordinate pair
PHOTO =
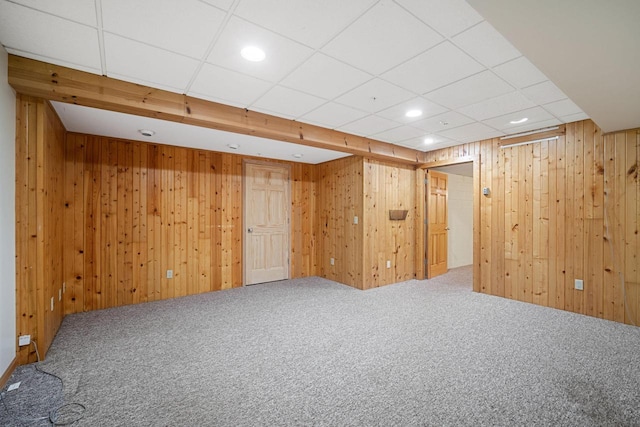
(364, 213)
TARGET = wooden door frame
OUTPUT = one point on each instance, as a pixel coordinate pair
(421, 214)
(283, 165)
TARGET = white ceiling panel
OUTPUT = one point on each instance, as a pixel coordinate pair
(471, 132)
(401, 133)
(471, 90)
(282, 54)
(448, 120)
(287, 102)
(65, 42)
(375, 95)
(332, 115)
(520, 72)
(439, 66)
(369, 125)
(498, 106)
(449, 17)
(544, 93)
(117, 125)
(533, 115)
(398, 112)
(221, 85)
(81, 11)
(486, 45)
(311, 23)
(221, 4)
(325, 77)
(187, 26)
(574, 117)
(565, 107)
(146, 64)
(372, 44)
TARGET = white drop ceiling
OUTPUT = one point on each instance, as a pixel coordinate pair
(356, 66)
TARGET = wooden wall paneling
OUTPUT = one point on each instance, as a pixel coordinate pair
(154, 223)
(237, 227)
(140, 236)
(73, 251)
(206, 262)
(552, 224)
(497, 220)
(614, 235)
(540, 278)
(632, 238)
(561, 224)
(92, 222)
(510, 234)
(570, 224)
(520, 154)
(167, 215)
(579, 211)
(124, 221)
(181, 241)
(193, 223)
(528, 218)
(596, 192)
(485, 218)
(420, 224)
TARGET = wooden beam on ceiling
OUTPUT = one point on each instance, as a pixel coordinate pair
(57, 83)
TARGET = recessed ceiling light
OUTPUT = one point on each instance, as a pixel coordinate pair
(233, 146)
(253, 54)
(428, 141)
(298, 155)
(146, 132)
(413, 113)
(517, 122)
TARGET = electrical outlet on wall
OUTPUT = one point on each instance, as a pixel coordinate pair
(169, 274)
(579, 284)
(388, 263)
(332, 261)
(24, 340)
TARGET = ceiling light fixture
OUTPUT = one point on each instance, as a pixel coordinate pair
(297, 155)
(233, 146)
(146, 132)
(413, 113)
(517, 122)
(428, 141)
(253, 54)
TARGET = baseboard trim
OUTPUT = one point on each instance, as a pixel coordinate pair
(7, 374)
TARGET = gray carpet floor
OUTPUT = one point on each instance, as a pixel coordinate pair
(314, 352)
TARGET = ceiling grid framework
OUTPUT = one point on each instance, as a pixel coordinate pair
(354, 66)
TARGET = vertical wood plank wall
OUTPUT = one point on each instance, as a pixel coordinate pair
(39, 228)
(388, 187)
(558, 211)
(134, 210)
(339, 199)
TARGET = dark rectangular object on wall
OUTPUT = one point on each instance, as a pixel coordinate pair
(397, 215)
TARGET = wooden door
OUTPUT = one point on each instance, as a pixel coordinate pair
(266, 234)
(437, 227)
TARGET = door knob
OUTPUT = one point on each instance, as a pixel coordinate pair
(447, 229)
(250, 230)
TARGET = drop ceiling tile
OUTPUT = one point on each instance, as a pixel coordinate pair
(81, 11)
(373, 96)
(471, 132)
(474, 89)
(543, 93)
(401, 133)
(332, 115)
(221, 4)
(146, 64)
(372, 44)
(312, 23)
(428, 142)
(397, 112)
(520, 72)
(448, 17)
(420, 75)
(47, 36)
(187, 27)
(486, 45)
(218, 84)
(565, 107)
(498, 106)
(534, 115)
(445, 121)
(325, 77)
(287, 102)
(282, 55)
(574, 117)
(369, 125)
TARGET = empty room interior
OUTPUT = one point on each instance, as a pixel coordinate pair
(365, 212)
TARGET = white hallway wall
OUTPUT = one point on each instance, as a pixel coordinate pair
(460, 207)
(7, 217)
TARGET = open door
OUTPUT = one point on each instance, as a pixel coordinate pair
(437, 226)
(266, 235)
